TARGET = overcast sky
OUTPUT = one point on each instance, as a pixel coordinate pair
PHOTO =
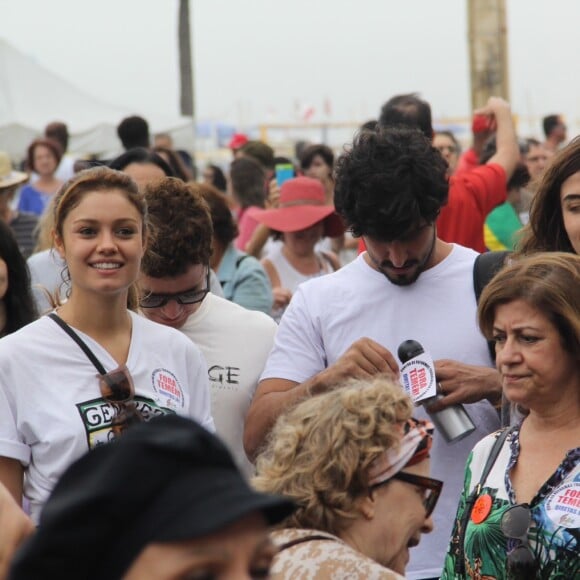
(261, 60)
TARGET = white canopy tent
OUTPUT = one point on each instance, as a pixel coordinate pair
(32, 96)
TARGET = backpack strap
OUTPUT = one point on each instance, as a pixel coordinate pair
(241, 259)
(485, 267)
(491, 459)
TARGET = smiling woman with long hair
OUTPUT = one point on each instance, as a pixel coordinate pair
(74, 379)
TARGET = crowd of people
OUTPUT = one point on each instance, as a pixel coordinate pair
(197, 380)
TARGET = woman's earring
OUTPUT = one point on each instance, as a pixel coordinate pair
(65, 287)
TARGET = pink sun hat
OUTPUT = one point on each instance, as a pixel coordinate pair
(302, 204)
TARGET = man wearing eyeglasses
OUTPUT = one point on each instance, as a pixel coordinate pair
(409, 284)
(175, 291)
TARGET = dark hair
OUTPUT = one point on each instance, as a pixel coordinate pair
(407, 111)
(299, 148)
(133, 132)
(175, 162)
(548, 282)
(225, 228)
(142, 156)
(312, 151)
(18, 300)
(388, 181)
(181, 228)
(51, 144)
(219, 178)
(545, 232)
(248, 182)
(521, 176)
(549, 123)
(370, 125)
(261, 152)
(59, 132)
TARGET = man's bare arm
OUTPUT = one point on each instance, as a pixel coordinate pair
(15, 525)
(507, 151)
(365, 358)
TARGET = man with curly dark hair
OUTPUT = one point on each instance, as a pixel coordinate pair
(174, 291)
(390, 187)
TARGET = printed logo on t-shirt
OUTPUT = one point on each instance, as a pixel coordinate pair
(168, 390)
(563, 505)
(224, 377)
(97, 416)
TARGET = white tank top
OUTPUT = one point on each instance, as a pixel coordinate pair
(291, 278)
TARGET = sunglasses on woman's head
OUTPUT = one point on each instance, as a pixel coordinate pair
(192, 296)
(515, 524)
(117, 389)
(432, 486)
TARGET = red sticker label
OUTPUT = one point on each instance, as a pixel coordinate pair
(481, 509)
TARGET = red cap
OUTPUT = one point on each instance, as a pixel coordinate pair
(480, 124)
(238, 140)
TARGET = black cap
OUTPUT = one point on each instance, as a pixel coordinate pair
(162, 481)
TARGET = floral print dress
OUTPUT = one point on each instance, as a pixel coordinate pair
(554, 533)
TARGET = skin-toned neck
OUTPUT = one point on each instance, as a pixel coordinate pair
(96, 315)
(562, 415)
(306, 263)
(7, 214)
(356, 537)
(552, 142)
(440, 252)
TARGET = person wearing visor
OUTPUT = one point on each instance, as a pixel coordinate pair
(165, 501)
(357, 466)
(519, 513)
(301, 220)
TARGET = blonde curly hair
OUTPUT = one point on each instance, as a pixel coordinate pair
(320, 451)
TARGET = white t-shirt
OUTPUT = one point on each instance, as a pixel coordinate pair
(51, 409)
(235, 343)
(328, 314)
(47, 270)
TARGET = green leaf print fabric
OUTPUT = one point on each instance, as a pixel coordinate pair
(554, 534)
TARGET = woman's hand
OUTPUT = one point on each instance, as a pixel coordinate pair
(282, 297)
(273, 194)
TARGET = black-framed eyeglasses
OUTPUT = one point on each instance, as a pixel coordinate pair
(515, 525)
(191, 296)
(432, 486)
(117, 388)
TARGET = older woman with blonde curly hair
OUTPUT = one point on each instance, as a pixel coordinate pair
(357, 466)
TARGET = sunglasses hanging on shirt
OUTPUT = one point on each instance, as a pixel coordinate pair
(116, 386)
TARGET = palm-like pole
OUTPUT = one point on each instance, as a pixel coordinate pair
(187, 105)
